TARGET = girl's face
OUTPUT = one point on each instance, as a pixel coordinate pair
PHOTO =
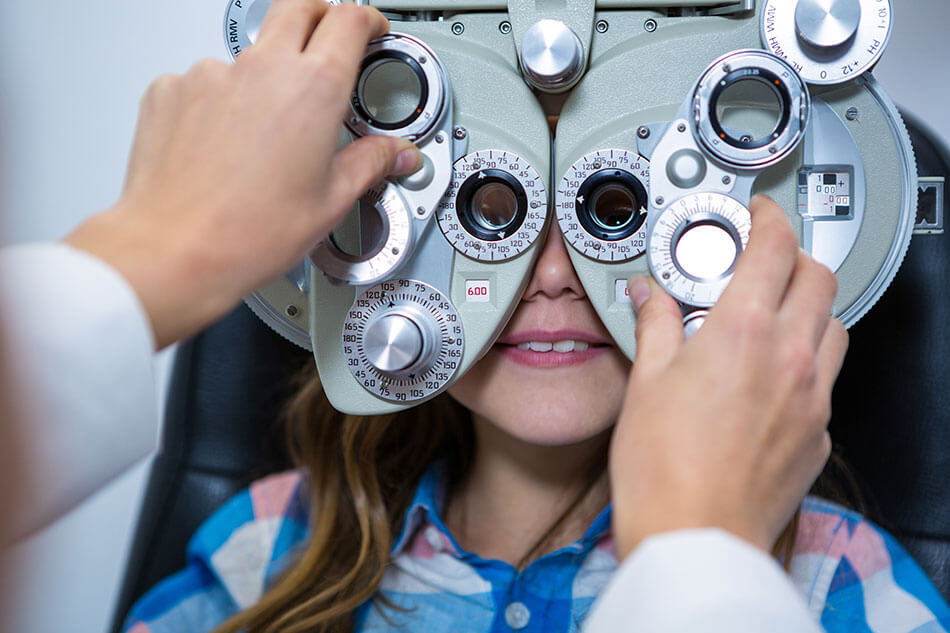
(554, 377)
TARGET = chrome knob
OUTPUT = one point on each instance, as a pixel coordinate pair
(393, 342)
(827, 24)
(552, 56)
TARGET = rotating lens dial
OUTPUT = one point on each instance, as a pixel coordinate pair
(383, 234)
(694, 246)
(725, 85)
(403, 340)
(495, 207)
(402, 89)
(827, 41)
(602, 204)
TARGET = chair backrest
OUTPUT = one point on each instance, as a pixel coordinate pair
(891, 420)
(222, 431)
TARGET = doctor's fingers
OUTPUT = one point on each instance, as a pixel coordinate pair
(339, 41)
(659, 332)
(362, 164)
(809, 300)
(158, 114)
(289, 24)
(831, 354)
(765, 268)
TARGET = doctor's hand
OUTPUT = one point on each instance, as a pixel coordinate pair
(235, 175)
(729, 428)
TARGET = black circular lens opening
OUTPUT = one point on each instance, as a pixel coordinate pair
(491, 205)
(611, 204)
(777, 87)
(374, 61)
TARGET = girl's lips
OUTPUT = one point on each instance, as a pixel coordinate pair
(551, 359)
(592, 347)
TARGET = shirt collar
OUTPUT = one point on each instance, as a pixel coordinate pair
(428, 502)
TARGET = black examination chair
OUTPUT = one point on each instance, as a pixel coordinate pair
(891, 420)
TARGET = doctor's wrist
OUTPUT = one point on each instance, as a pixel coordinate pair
(173, 272)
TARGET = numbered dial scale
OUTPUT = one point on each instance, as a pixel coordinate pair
(402, 340)
(385, 250)
(495, 208)
(827, 41)
(694, 246)
(602, 204)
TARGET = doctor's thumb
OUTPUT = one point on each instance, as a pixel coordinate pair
(366, 161)
(659, 325)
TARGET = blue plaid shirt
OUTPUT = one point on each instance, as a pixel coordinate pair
(853, 575)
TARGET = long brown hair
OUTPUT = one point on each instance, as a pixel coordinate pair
(363, 471)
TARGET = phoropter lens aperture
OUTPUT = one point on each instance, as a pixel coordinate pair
(611, 204)
(749, 108)
(392, 90)
(492, 205)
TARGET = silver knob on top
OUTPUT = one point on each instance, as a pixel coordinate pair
(393, 342)
(552, 56)
(827, 24)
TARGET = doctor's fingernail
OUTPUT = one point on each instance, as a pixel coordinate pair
(639, 292)
(408, 161)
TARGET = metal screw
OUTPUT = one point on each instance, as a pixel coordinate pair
(666, 275)
(726, 180)
(354, 120)
(650, 25)
(458, 28)
(292, 310)
(745, 138)
(852, 114)
(660, 200)
(459, 132)
(643, 131)
(681, 127)
(421, 210)
(726, 68)
(476, 165)
(505, 27)
(423, 59)
(440, 137)
(773, 150)
(597, 165)
(601, 26)
(395, 251)
(535, 204)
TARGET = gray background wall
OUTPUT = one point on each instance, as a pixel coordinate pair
(70, 80)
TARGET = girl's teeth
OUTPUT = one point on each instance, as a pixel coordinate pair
(564, 346)
(561, 346)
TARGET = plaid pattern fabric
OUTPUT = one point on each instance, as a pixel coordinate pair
(853, 575)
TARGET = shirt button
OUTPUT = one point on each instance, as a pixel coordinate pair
(517, 615)
(434, 538)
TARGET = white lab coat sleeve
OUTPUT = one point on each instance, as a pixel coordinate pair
(79, 350)
(700, 581)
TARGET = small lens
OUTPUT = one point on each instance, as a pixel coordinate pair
(749, 110)
(613, 206)
(494, 205)
(706, 251)
(390, 91)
